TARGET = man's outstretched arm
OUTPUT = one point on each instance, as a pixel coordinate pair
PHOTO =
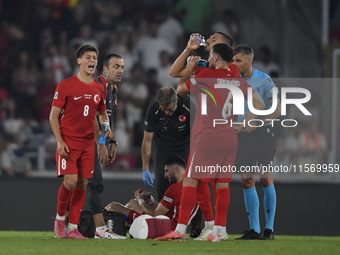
(178, 69)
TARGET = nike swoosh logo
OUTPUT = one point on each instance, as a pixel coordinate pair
(76, 98)
(92, 172)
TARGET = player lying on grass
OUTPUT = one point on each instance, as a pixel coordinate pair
(174, 171)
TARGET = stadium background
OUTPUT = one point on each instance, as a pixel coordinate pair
(38, 40)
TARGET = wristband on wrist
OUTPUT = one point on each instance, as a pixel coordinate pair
(140, 201)
(113, 141)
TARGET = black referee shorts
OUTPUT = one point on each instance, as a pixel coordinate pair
(255, 148)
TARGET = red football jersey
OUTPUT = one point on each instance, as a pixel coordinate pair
(171, 200)
(232, 68)
(80, 103)
(218, 102)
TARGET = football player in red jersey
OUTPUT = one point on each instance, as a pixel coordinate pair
(178, 69)
(211, 144)
(174, 171)
(78, 99)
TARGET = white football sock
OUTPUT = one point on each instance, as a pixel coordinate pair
(58, 217)
(72, 227)
(181, 229)
(209, 224)
(217, 230)
(223, 231)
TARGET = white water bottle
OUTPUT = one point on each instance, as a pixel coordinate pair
(199, 40)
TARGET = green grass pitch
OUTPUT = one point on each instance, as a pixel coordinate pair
(12, 242)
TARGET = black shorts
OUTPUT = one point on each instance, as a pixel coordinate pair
(256, 148)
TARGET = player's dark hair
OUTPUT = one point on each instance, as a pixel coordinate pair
(227, 39)
(245, 50)
(175, 159)
(166, 96)
(84, 48)
(108, 58)
(224, 51)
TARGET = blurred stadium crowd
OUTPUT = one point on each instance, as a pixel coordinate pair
(37, 50)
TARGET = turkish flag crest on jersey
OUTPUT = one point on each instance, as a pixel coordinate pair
(182, 118)
(96, 99)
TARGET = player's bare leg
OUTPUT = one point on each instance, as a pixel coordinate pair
(99, 219)
(133, 204)
(118, 207)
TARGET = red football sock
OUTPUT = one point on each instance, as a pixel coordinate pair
(188, 201)
(213, 187)
(203, 198)
(76, 205)
(222, 205)
(63, 198)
